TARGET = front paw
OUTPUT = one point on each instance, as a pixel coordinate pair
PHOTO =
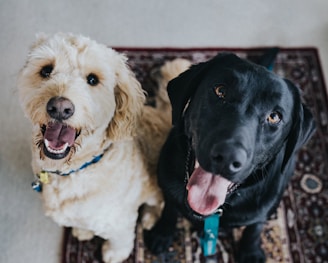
(253, 255)
(82, 234)
(115, 253)
(158, 240)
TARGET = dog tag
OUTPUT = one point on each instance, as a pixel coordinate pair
(37, 186)
(211, 230)
(44, 177)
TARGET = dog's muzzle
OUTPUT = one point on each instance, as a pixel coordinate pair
(58, 137)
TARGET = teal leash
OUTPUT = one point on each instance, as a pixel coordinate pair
(211, 231)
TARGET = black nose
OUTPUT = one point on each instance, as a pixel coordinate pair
(228, 159)
(60, 108)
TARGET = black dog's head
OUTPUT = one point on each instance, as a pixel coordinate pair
(238, 117)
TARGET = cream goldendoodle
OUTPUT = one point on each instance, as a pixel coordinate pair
(95, 144)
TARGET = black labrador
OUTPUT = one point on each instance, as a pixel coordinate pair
(236, 130)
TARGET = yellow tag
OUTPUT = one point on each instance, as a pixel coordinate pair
(44, 177)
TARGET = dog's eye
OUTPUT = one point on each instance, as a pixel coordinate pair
(46, 71)
(92, 79)
(274, 117)
(220, 91)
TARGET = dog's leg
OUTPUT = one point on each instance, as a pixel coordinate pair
(149, 215)
(119, 240)
(115, 251)
(250, 245)
(82, 234)
(159, 238)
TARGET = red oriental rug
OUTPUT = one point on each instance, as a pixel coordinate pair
(299, 230)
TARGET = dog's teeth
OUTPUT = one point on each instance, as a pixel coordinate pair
(59, 151)
(46, 142)
(196, 164)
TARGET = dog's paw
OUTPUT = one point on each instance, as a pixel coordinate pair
(82, 234)
(148, 220)
(157, 240)
(114, 255)
(150, 215)
(251, 255)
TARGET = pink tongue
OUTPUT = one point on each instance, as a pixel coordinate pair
(58, 135)
(206, 191)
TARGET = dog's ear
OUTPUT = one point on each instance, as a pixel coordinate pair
(303, 125)
(267, 60)
(129, 98)
(182, 88)
(40, 37)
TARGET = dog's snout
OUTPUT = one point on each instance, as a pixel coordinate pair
(227, 159)
(60, 108)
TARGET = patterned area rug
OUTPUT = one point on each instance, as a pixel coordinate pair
(299, 230)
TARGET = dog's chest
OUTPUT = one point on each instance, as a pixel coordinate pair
(105, 190)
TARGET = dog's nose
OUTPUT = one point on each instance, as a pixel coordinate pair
(60, 108)
(228, 159)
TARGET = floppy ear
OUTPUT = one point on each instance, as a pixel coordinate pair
(129, 98)
(182, 88)
(303, 126)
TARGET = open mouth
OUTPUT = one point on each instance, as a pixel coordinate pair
(207, 191)
(58, 139)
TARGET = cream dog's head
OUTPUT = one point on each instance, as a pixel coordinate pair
(76, 93)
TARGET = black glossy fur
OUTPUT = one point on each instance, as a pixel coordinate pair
(230, 134)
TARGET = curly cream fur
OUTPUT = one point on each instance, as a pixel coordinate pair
(102, 199)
